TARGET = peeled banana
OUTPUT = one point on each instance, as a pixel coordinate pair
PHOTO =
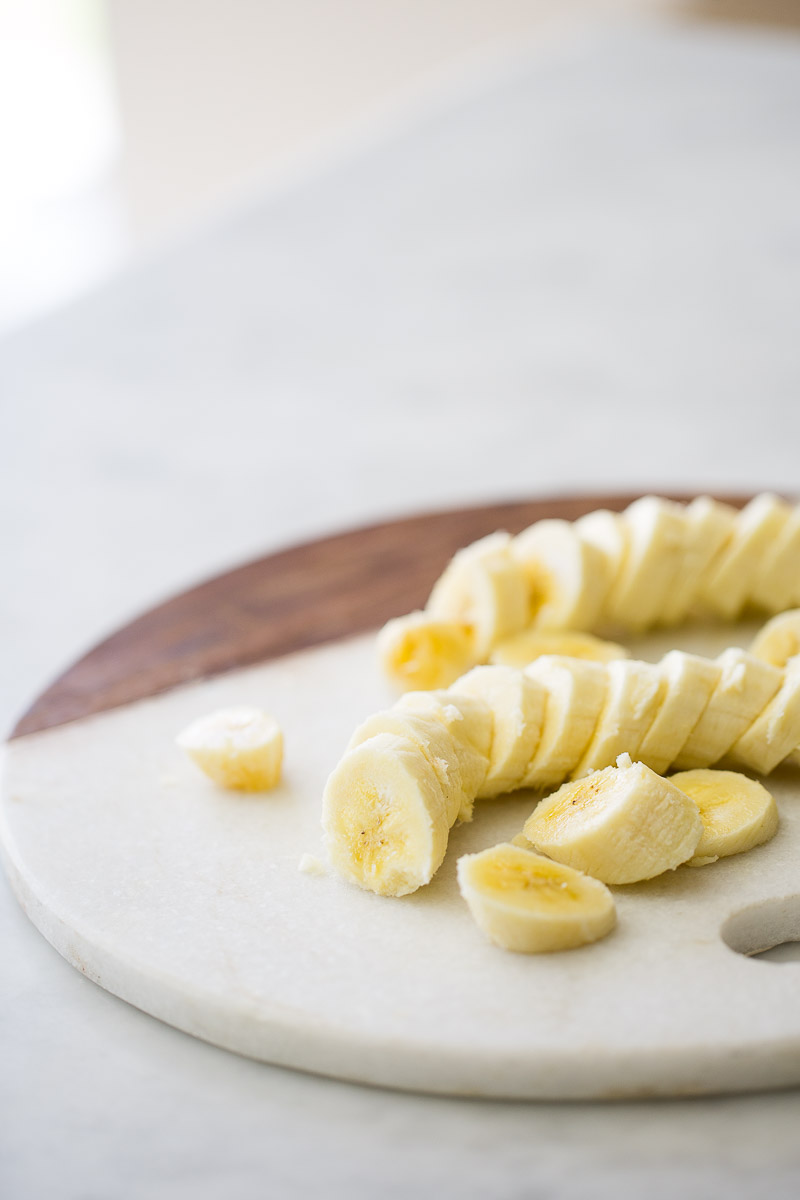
(737, 813)
(239, 748)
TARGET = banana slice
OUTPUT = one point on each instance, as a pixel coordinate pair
(527, 903)
(421, 651)
(709, 527)
(725, 587)
(777, 584)
(690, 682)
(656, 544)
(385, 816)
(518, 707)
(746, 685)
(608, 533)
(239, 748)
(779, 640)
(737, 812)
(775, 733)
(565, 575)
(621, 825)
(575, 690)
(635, 693)
(533, 643)
(483, 587)
(469, 724)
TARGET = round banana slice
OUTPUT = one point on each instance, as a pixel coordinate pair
(518, 705)
(566, 575)
(775, 733)
(656, 543)
(385, 816)
(737, 812)
(608, 533)
(522, 649)
(709, 526)
(690, 682)
(239, 748)
(575, 690)
(621, 825)
(469, 724)
(779, 640)
(421, 651)
(726, 585)
(777, 584)
(529, 904)
(483, 587)
(634, 695)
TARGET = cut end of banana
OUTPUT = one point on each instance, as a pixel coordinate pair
(620, 825)
(420, 651)
(523, 649)
(527, 903)
(239, 748)
(737, 813)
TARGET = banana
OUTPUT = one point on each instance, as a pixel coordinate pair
(690, 682)
(777, 584)
(525, 902)
(608, 533)
(485, 588)
(621, 825)
(656, 540)
(385, 816)
(775, 733)
(522, 649)
(635, 693)
(518, 707)
(239, 748)
(737, 812)
(563, 572)
(746, 685)
(421, 651)
(725, 587)
(709, 526)
(469, 723)
(575, 690)
(779, 640)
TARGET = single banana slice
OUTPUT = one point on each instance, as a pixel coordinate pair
(533, 643)
(775, 733)
(239, 748)
(635, 694)
(777, 584)
(469, 724)
(746, 685)
(725, 588)
(483, 587)
(518, 705)
(575, 689)
(621, 825)
(737, 812)
(690, 682)
(779, 640)
(527, 903)
(421, 651)
(385, 816)
(709, 527)
(608, 533)
(566, 575)
(656, 544)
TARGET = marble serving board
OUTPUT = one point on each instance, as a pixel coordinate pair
(188, 902)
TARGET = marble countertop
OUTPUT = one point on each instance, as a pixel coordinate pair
(583, 272)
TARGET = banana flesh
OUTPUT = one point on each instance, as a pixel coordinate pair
(530, 904)
(574, 689)
(517, 704)
(728, 584)
(484, 588)
(737, 813)
(634, 694)
(524, 647)
(689, 684)
(239, 748)
(421, 651)
(779, 640)
(561, 570)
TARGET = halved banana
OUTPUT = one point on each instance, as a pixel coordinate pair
(775, 733)
(518, 705)
(779, 640)
(421, 651)
(746, 685)
(737, 812)
(524, 647)
(777, 583)
(385, 816)
(635, 693)
(726, 585)
(528, 903)
(485, 588)
(575, 691)
(621, 824)
(565, 575)
(690, 682)
(239, 748)
(709, 526)
(656, 544)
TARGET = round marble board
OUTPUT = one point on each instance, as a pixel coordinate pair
(187, 901)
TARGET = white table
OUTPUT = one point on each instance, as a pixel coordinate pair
(585, 273)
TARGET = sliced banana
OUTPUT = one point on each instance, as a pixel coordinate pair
(485, 588)
(469, 724)
(777, 584)
(608, 533)
(779, 640)
(565, 575)
(737, 812)
(746, 685)
(621, 824)
(709, 526)
(726, 585)
(385, 816)
(522, 649)
(634, 695)
(527, 903)
(575, 691)
(690, 682)
(518, 705)
(775, 733)
(239, 748)
(656, 544)
(421, 651)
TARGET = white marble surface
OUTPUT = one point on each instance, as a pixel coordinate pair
(585, 274)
